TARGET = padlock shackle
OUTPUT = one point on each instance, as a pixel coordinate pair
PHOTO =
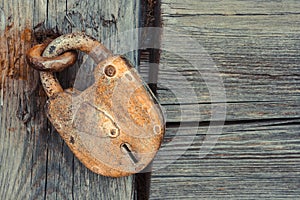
(73, 41)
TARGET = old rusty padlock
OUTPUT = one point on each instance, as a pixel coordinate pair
(114, 127)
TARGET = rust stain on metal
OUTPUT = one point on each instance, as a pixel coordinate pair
(139, 107)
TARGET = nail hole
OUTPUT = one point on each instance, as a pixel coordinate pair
(110, 71)
(113, 133)
(126, 148)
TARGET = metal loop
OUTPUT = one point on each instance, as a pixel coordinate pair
(54, 64)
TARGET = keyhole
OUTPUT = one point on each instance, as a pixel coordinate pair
(126, 148)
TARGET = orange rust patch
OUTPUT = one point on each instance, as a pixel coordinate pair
(26, 35)
(139, 107)
(12, 129)
(14, 43)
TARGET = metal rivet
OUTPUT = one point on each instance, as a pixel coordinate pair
(110, 71)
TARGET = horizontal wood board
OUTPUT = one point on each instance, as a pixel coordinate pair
(256, 48)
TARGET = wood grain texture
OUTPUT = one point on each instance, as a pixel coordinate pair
(34, 161)
(255, 45)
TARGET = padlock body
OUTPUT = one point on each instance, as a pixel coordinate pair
(115, 127)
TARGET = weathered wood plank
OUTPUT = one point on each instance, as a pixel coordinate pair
(235, 111)
(250, 161)
(257, 54)
(34, 161)
(255, 45)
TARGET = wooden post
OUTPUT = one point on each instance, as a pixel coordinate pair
(34, 161)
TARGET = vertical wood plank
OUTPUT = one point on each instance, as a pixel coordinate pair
(34, 161)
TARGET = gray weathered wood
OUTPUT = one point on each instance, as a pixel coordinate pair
(250, 161)
(34, 161)
(255, 45)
